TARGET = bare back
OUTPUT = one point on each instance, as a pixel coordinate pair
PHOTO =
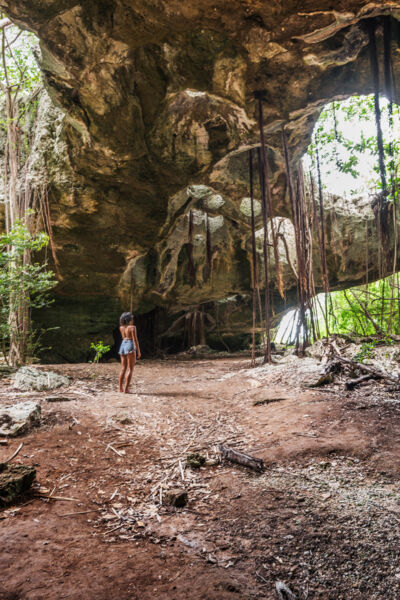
(128, 332)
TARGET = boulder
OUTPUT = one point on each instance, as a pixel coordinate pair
(14, 480)
(19, 418)
(30, 379)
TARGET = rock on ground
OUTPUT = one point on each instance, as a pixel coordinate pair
(14, 480)
(19, 418)
(30, 379)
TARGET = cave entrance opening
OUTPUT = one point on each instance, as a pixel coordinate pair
(343, 161)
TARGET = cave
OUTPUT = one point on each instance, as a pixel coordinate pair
(230, 465)
(148, 132)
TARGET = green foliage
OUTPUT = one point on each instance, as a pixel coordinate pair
(23, 284)
(364, 310)
(340, 150)
(20, 78)
(100, 350)
(366, 351)
(22, 67)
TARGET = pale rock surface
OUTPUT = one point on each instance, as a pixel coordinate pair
(30, 379)
(19, 418)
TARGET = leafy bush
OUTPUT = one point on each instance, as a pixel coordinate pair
(100, 350)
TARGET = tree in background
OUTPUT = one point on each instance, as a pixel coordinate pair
(23, 283)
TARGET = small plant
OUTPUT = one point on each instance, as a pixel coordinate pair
(100, 350)
(366, 351)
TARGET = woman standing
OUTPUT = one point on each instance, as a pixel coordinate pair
(129, 350)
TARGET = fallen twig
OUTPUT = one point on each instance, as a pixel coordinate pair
(240, 458)
(352, 383)
(181, 470)
(114, 450)
(267, 401)
(368, 369)
(56, 497)
(114, 529)
(81, 512)
(261, 577)
(13, 455)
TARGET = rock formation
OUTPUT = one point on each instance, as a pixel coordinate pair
(145, 141)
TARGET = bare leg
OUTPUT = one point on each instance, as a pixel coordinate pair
(124, 364)
(131, 358)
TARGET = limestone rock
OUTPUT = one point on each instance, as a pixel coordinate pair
(19, 418)
(14, 480)
(30, 379)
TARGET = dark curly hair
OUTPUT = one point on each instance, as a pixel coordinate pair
(125, 318)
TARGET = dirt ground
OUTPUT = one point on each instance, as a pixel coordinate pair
(323, 518)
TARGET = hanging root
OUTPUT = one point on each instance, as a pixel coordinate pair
(267, 354)
(207, 269)
(191, 267)
(254, 260)
(279, 279)
(303, 241)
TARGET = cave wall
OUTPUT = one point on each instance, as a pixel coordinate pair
(149, 115)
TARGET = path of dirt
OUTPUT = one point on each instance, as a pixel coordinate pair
(323, 518)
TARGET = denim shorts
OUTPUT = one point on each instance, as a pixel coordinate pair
(127, 347)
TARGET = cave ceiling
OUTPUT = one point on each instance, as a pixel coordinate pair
(158, 112)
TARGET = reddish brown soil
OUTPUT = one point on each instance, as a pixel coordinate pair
(323, 517)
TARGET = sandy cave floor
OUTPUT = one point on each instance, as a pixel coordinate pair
(323, 517)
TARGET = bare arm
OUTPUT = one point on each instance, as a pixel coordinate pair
(135, 339)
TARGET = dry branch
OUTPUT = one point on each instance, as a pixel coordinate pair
(267, 401)
(352, 383)
(241, 459)
(13, 455)
(374, 372)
